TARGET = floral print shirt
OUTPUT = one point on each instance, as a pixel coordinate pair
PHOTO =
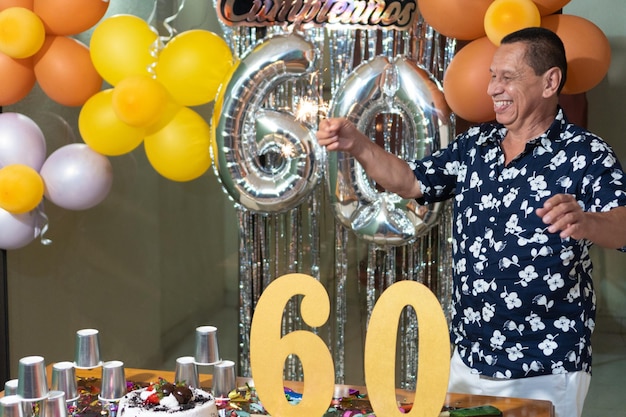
(523, 298)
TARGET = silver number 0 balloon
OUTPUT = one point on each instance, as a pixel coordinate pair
(266, 160)
(394, 87)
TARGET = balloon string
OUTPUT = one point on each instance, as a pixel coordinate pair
(160, 41)
(42, 220)
(157, 45)
(166, 22)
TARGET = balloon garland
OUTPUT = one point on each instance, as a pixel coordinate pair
(152, 87)
(73, 177)
(34, 47)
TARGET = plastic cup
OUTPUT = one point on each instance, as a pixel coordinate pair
(113, 381)
(64, 379)
(54, 405)
(223, 378)
(207, 352)
(87, 351)
(10, 387)
(187, 371)
(11, 406)
(32, 383)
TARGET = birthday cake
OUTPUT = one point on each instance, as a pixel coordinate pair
(163, 399)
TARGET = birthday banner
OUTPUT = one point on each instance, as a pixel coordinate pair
(387, 14)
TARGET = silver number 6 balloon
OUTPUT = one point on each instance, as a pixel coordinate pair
(392, 87)
(266, 159)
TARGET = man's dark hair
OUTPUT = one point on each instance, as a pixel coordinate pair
(544, 50)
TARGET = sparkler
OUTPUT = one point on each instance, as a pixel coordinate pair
(310, 109)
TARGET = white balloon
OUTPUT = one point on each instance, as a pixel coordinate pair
(76, 177)
(17, 230)
(21, 141)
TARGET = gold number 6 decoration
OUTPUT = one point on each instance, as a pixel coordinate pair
(268, 349)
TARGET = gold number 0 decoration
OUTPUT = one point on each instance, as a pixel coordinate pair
(433, 351)
(268, 350)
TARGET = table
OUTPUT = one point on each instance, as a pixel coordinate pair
(510, 407)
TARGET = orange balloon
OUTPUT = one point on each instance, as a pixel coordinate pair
(461, 19)
(466, 80)
(69, 17)
(21, 32)
(19, 79)
(103, 131)
(507, 16)
(21, 188)
(139, 100)
(587, 50)
(547, 7)
(65, 72)
(27, 4)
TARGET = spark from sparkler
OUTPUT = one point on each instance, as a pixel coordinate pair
(288, 150)
(309, 109)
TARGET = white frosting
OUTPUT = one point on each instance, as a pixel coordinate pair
(132, 405)
(170, 402)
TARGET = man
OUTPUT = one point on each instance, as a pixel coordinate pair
(532, 193)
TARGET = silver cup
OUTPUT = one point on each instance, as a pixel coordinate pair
(207, 352)
(32, 384)
(10, 387)
(187, 371)
(87, 351)
(113, 381)
(11, 406)
(64, 379)
(54, 405)
(223, 378)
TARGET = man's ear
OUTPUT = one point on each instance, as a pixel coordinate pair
(552, 80)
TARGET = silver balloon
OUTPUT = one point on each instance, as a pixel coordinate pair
(21, 141)
(266, 160)
(76, 177)
(379, 87)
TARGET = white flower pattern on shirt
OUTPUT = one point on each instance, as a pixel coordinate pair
(523, 298)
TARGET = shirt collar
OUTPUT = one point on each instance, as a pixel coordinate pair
(553, 134)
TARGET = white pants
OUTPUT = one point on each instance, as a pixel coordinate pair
(567, 392)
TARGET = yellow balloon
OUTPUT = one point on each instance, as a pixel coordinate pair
(22, 32)
(192, 66)
(21, 188)
(169, 111)
(103, 131)
(507, 16)
(139, 100)
(122, 46)
(180, 151)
